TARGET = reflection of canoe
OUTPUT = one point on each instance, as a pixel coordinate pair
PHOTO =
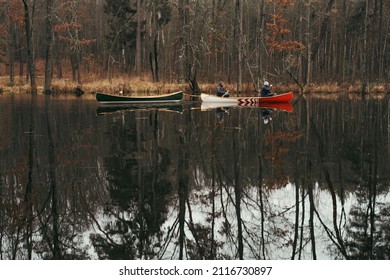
(112, 99)
(279, 98)
(283, 106)
(214, 105)
(170, 107)
(278, 106)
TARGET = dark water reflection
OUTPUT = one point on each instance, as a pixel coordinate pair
(82, 182)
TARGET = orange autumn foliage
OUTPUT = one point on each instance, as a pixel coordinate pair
(278, 30)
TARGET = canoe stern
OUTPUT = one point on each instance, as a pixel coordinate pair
(112, 99)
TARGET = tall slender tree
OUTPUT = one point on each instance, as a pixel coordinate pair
(239, 35)
(138, 50)
(309, 43)
(365, 47)
(49, 46)
(29, 8)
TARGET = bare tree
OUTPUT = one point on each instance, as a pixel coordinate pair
(239, 44)
(138, 50)
(29, 8)
(49, 46)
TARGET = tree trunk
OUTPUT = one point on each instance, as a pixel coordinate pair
(11, 51)
(296, 223)
(151, 65)
(55, 238)
(238, 182)
(344, 41)
(20, 55)
(364, 60)
(138, 41)
(181, 41)
(380, 46)
(75, 63)
(182, 186)
(301, 39)
(28, 14)
(324, 27)
(153, 49)
(309, 57)
(311, 222)
(58, 60)
(239, 47)
(28, 196)
(49, 47)
(155, 52)
(260, 38)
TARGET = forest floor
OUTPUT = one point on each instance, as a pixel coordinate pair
(132, 86)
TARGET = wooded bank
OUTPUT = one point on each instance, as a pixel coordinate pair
(291, 43)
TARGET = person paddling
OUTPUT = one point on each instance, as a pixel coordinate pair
(221, 91)
(266, 89)
(266, 115)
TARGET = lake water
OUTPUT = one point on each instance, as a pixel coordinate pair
(80, 181)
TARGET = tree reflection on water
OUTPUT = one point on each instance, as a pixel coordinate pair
(163, 184)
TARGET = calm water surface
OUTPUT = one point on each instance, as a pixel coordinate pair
(79, 181)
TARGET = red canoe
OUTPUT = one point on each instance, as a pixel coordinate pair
(278, 98)
(249, 101)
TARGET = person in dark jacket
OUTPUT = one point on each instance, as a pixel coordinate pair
(221, 91)
(266, 89)
(266, 115)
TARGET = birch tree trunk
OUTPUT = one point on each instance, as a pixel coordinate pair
(182, 40)
(239, 47)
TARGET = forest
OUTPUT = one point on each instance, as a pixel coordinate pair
(327, 43)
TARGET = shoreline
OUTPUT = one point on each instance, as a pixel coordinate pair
(129, 86)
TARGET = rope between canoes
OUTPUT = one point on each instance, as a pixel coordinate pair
(192, 95)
